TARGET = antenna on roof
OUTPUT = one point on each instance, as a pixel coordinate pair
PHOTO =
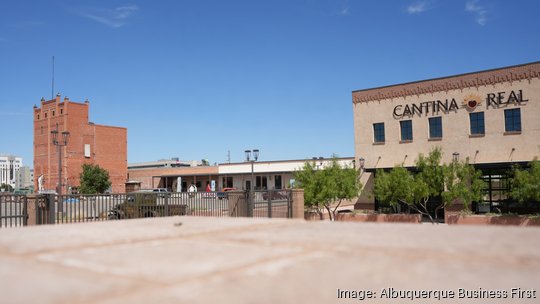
(52, 91)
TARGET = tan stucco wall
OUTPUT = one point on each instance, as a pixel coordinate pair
(494, 147)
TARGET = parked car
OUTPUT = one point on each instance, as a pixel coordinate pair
(144, 204)
(223, 193)
(160, 191)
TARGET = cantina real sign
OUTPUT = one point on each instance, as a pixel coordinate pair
(470, 102)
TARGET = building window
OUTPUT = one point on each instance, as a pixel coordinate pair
(38, 116)
(228, 182)
(261, 183)
(378, 132)
(512, 120)
(87, 151)
(406, 130)
(477, 123)
(435, 127)
(61, 111)
(53, 113)
(45, 114)
(277, 182)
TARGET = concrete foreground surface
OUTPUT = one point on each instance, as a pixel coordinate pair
(242, 260)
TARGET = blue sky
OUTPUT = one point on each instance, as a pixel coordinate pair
(195, 79)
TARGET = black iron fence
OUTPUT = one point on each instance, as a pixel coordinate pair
(270, 203)
(59, 209)
(13, 210)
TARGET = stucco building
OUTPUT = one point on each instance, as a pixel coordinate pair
(490, 117)
(88, 143)
(267, 175)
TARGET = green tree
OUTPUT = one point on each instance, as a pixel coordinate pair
(525, 185)
(94, 179)
(462, 183)
(6, 188)
(328, 187)
(446, 183)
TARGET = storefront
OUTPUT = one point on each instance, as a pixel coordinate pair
(489, 117)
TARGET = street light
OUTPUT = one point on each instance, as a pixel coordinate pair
(252, 160)
(59, 143)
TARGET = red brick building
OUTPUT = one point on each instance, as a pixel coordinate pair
(88, 143)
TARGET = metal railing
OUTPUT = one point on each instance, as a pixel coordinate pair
(76, 208)
(13, 210)
(271, 203)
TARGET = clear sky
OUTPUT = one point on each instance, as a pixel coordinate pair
(197, 78)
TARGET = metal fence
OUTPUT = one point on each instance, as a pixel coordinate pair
(13, 210)
(60, 209)
(270, 203)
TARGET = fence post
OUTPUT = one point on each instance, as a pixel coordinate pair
(51, 208)
(166, 198)
(25, 211)
(270, 194)
(238, 206)
(297, 196)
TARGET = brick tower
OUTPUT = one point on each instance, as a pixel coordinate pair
(88, 143)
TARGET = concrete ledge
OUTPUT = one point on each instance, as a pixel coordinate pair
(246, 260)
(460, 219)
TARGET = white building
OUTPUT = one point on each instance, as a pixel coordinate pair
(269, 175)
(9, 169)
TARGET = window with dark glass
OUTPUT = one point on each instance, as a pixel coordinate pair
(477, 123)
(277, 182)
(512, 120)
(435, 127)
(227, 182)
(406, 130)
(261, 183)
(378, 132)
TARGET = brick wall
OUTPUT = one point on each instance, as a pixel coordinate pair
(108, 145)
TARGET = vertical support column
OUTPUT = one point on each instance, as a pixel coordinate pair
(166, 199)
(270, 194)
(297, 197)
(31, 211)
(238, 206)
(25, 210)
(51, 208)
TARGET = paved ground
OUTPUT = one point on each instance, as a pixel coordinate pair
(239, 260)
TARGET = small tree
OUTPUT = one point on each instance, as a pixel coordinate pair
(94, 179)
(525, 185)
(328, 187)
(433, 180)
(462, 182)
(6, 188)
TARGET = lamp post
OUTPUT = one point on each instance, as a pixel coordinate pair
(251, 186)
(59, 143)
(252, 160)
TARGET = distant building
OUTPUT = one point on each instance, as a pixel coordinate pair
(165, 163)
(9, 169)
(267, 175)
(88, 143)
(25, 178)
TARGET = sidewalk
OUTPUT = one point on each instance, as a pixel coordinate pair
(243, 260)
